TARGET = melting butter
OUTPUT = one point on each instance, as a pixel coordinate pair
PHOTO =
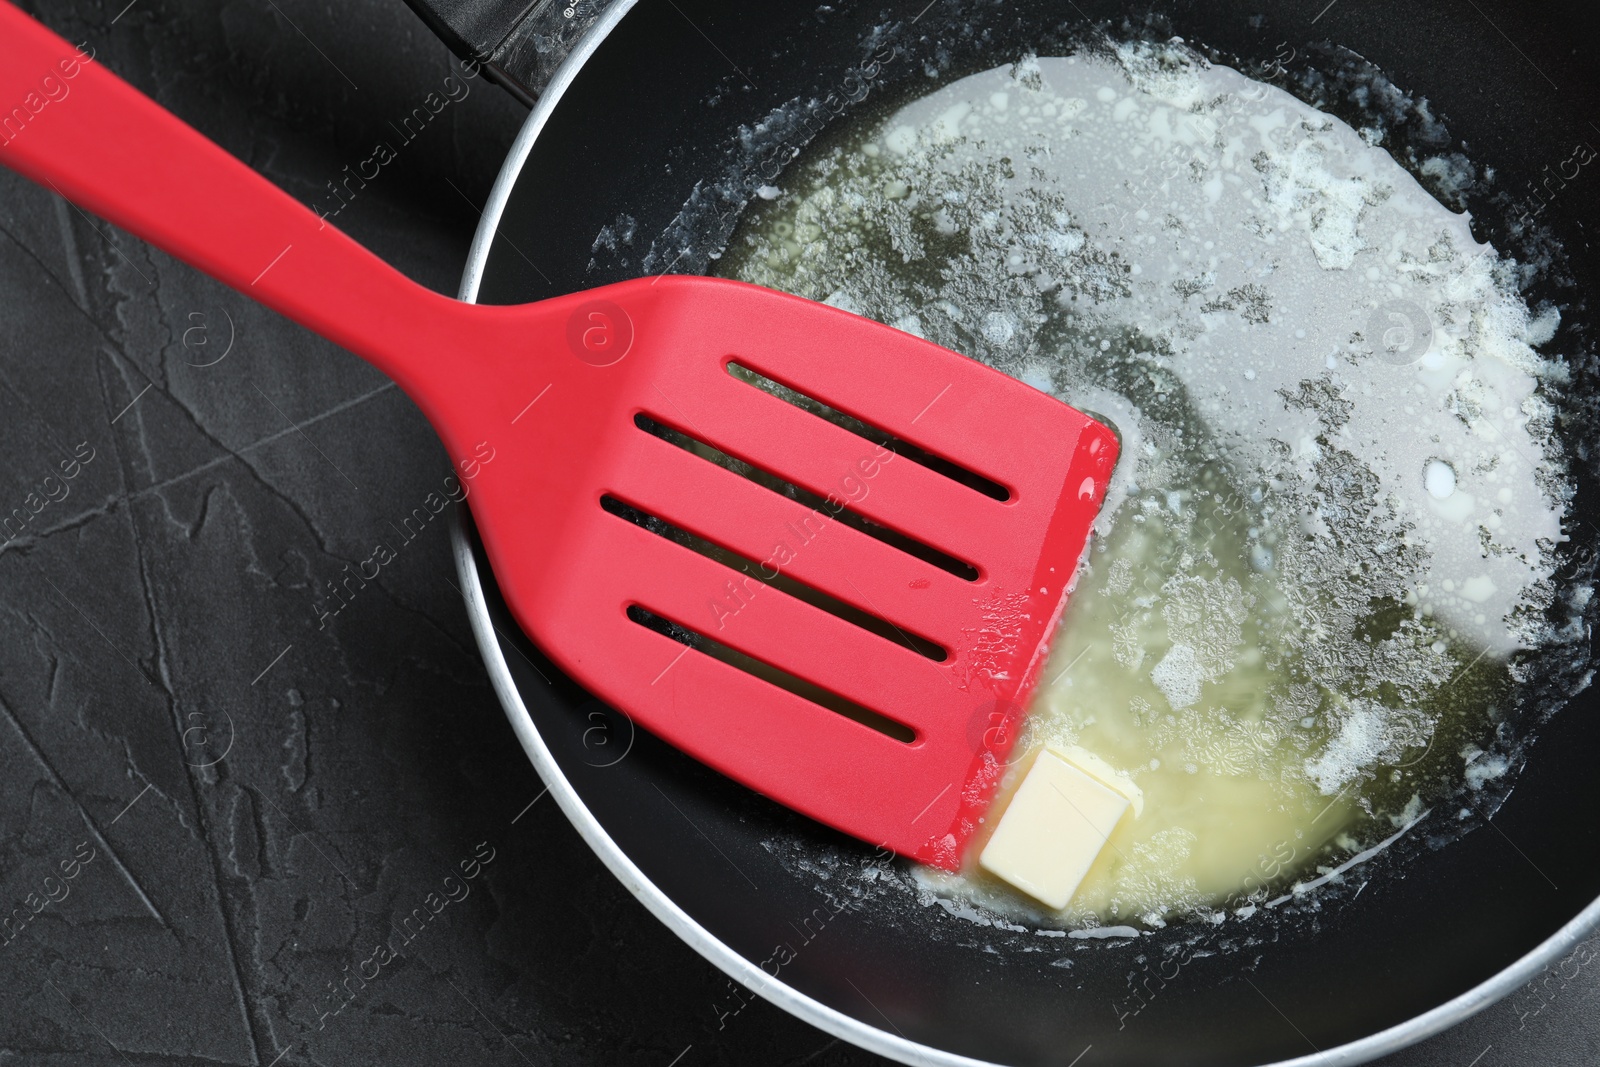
(1334, 516)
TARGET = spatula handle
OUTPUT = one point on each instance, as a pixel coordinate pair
(71, 125)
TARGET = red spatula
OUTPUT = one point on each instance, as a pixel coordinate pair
(876, 686)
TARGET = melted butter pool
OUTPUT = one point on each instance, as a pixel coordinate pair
(1334, 516)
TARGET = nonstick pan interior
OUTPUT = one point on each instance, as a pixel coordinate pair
(644, 165)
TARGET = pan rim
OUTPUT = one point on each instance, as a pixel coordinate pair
(665, 909)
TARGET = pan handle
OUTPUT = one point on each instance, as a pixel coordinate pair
(519, 44)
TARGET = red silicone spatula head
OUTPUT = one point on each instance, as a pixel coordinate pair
(637, 489)
(965, 589)
(874, 684)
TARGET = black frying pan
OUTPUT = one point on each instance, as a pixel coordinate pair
(1414, 939)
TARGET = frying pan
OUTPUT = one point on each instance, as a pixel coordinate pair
(639, 158)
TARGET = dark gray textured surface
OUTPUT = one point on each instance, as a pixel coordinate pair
(161, 613)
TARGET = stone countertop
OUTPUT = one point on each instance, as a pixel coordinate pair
(222, 803)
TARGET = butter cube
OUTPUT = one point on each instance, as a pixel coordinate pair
(1055, 826)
